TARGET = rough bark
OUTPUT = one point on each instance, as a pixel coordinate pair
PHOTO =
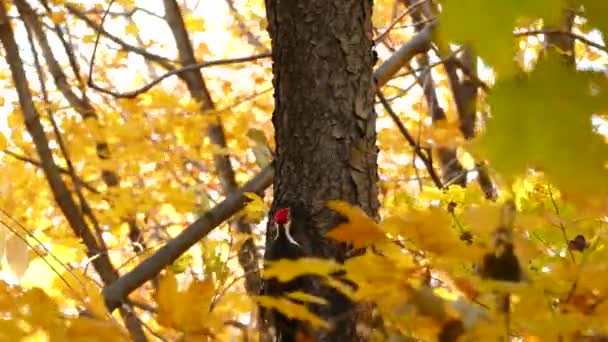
(325, 130)
(117, 292)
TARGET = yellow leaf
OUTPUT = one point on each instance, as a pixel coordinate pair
(292, 310)
(430, 194)
(95, 302)
(188, 310)
(3, 142)
(427, 303)
(466, 160)
(482, 219)
(17, 256)
(360, 230)
(305, 297)
(194, 24)
(2, 100)
(3, 232)
(446, 134)
(430, 230)
(58, 17)
(255, 209)
(285, 270)
(131, 29)
(166, 296)
(89, 38)
(93, 330)
(192, 310)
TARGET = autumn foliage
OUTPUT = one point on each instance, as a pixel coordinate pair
(131, 157)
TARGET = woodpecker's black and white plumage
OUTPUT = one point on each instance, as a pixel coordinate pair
(282, 245)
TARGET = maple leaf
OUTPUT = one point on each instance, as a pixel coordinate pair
(285, 270)
(360, 230)
(292, 310)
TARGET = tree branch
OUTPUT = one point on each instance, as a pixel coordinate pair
(570, 34)
(116, 292)
(65, 171)
(160, 60)
(81, 104)
(420, 43)
(251, 38)
(139, 91)
(61, 193)
(248, 255)
(417, 149)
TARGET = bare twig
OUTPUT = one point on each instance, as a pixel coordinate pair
(251, 38)
(419, 152)
(573, 35)
(410, 8)
(139, 91)
(165, 62)
(61, 169)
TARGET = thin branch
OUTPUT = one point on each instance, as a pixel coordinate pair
(64, 151)
(420, 43)
(251, 38)
(128, 13)
(562, 228)
(139, 91)
(61, 169)
(419, 152)
(248, 256)
(410, 8)
(67, 47)
(160, 60)
(81, 104)
(572, 35)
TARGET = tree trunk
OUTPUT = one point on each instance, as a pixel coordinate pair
(325, 130)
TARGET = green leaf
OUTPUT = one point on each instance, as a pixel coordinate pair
(488, 25)
(543, 120)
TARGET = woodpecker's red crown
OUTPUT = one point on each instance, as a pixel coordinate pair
(281, 216)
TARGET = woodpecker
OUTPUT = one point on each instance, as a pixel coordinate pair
(282, 246)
